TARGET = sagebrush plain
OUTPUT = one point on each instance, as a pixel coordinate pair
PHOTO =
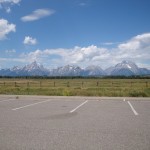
(76, 87)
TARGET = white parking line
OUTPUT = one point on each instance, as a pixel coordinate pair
(132, 108)
(31, 105)
(78, 107)
(7, 100)
(124, 99)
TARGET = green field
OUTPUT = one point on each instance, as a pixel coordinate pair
(76, 87)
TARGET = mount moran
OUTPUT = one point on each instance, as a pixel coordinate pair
(125, 68)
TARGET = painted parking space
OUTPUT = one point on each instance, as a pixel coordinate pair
(74, 123)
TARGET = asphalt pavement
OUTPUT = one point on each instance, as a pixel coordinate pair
(74, 123)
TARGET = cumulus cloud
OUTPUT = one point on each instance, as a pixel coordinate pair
(7, 4)
(91, 55)
(86, 54)
(38, 14)
(136, 49)
(78, 55)
(6, 28)
(137, 42)
(29, 41)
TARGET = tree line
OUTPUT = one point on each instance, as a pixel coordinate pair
(75, 77)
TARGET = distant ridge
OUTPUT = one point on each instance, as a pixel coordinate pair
(125, 68)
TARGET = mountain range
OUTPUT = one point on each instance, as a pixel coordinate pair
(125, 68)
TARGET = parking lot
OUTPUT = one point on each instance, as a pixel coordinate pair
(74, 123)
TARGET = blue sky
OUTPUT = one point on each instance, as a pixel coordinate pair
(79, 32)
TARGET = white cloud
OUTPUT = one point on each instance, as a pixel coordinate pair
(6, 28)
(83, 55)
(29, 41)
(38, 14)
(108, 43)
(10, 1)
(137, 42)
(92, 55)
(57, 57)
(8, 10)
(82, 4)
(136, 48)
(6, 4)
(10, 51)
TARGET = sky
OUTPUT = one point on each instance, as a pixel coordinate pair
(76, 32)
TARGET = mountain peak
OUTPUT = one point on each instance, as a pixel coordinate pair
(15, 68)
(94, 70)
(125, 62)
(126, 68)
(33, 66)
(34, 63)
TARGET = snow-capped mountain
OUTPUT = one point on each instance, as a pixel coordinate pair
(15, 68)
(33, 69)
(70, 70)
(125, 68)
(67, 71)
(33, 66)
(94, 71)
(128, 65)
